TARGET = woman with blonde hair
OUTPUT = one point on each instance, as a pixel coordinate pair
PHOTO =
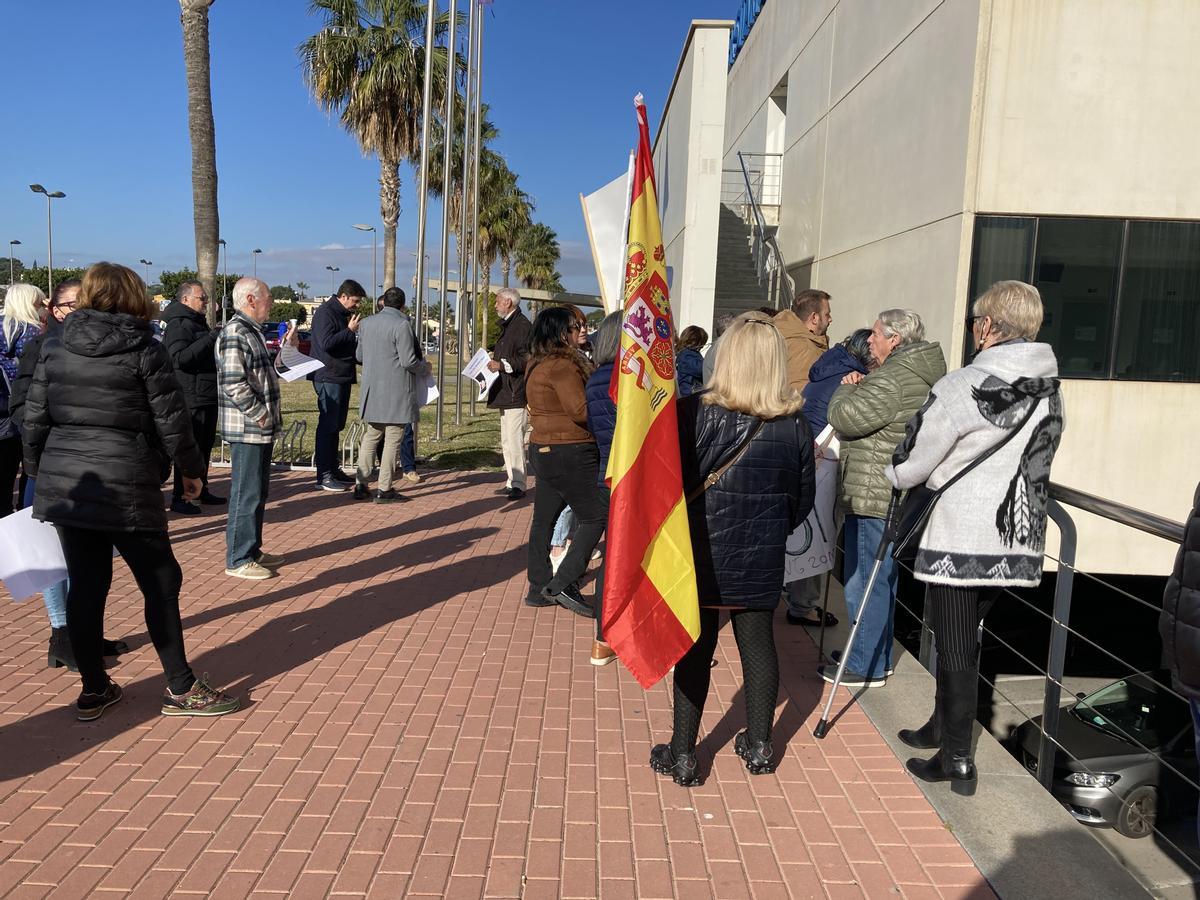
(104, 420)
(24, 308)
(987, 531)
(748, 474)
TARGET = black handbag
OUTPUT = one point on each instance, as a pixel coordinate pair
(908, 517)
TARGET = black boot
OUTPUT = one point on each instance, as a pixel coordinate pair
(759, 756)
(682, 767)
(929, 735)
(60, 653)
(953, 762)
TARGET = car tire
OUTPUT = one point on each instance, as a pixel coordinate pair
(1139, 813)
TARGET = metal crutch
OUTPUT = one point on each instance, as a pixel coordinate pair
(823, 726)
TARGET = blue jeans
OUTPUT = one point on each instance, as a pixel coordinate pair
(871, 654)
(251, 478)
(55, 596)
(408, 450)
(562, 528)
(333, 405)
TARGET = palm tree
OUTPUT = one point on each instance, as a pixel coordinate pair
(302, 287)
(537, 255)
(367, 63)
(507, 213)
(202, 131)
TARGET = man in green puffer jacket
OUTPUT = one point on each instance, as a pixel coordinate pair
(869, 414)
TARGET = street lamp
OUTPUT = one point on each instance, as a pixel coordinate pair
(224, 281)
(332, 269)
(374, 252)
(10, 260)
(147, 263)
(50, 195)
(254, 256)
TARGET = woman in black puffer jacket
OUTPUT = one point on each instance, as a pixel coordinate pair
(103, 420)
(739, 530)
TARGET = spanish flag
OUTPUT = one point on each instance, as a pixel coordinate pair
(651, 608)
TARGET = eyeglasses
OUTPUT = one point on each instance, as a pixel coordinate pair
(971, 320)
(575, 328)
(67, 306)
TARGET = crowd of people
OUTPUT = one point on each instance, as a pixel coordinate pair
(102, 414)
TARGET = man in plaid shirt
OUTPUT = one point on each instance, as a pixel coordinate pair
(251, 419)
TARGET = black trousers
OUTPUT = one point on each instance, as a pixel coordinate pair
(567, 475)
(204, 430)
(89, 557)
(957, 612)
(10, 461)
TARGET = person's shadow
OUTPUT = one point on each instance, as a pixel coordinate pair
(40, 741)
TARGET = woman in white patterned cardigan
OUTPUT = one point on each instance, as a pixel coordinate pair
(988, 530)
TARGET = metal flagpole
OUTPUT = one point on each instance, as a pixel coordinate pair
(475, 180)
(423, 196)
(448, 144)
(464, 250)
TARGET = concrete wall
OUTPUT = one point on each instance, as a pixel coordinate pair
(879, 112)
(1089, 109)
(687, 157)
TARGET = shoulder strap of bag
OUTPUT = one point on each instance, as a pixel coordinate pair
(1012, 433)
(716, 474)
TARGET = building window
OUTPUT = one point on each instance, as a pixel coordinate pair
(1122, 296)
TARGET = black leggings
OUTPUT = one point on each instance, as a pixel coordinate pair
(90, 567)
(754, 631)
(957, 612)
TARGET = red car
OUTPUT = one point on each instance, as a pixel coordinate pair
(273, 333)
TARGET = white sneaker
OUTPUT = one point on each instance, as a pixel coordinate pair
(270, 560)
(252, 571)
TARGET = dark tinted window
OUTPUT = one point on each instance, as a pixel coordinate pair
(1159, 326)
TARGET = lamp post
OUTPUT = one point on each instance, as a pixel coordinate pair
(254, 256)
(147, 263)
(448, 141)
(374, 254)
(50, 195)
(478, 98)
(224, 282)
(332, 269)
(11, 277)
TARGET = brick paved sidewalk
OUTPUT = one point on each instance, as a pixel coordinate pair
(410, 727)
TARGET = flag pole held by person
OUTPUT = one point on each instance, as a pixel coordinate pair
(651, 607)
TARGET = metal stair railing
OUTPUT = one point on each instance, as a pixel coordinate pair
(768, 259)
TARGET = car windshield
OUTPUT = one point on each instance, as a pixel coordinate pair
(1133, 710)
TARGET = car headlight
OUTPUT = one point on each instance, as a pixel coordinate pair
(1087, 779)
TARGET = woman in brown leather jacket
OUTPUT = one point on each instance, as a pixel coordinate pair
(564, 458)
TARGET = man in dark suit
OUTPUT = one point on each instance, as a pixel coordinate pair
(334, 342)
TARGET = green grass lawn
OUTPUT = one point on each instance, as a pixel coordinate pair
(475, 444)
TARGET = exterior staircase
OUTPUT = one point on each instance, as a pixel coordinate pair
(737, 289)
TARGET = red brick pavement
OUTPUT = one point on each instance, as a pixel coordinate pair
(410, 728)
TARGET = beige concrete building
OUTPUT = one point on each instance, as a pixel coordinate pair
(911, 152)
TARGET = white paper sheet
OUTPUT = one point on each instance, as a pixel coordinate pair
(31, 557)
(478, 372)
(429, 390)
(297, 364)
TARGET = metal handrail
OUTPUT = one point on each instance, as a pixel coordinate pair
(768, 258)
(1118, 512)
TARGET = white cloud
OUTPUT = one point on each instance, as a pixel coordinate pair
(334, 246)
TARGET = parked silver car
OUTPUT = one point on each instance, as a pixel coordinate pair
(1101, 775)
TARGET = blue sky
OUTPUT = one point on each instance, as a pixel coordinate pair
(101, 114)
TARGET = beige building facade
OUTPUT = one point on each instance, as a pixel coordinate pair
(927, 148)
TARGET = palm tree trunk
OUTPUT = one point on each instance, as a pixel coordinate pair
(389, 211)
(505, 267)
(202, 131)
(487, 296)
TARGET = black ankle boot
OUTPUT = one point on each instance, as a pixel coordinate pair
(759, 756)
(953, 762)
(929, 735)
(60, 653)
(681, 767)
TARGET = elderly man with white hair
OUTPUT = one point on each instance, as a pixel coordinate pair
(508, 391)
(869, 413)
(251, 419)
